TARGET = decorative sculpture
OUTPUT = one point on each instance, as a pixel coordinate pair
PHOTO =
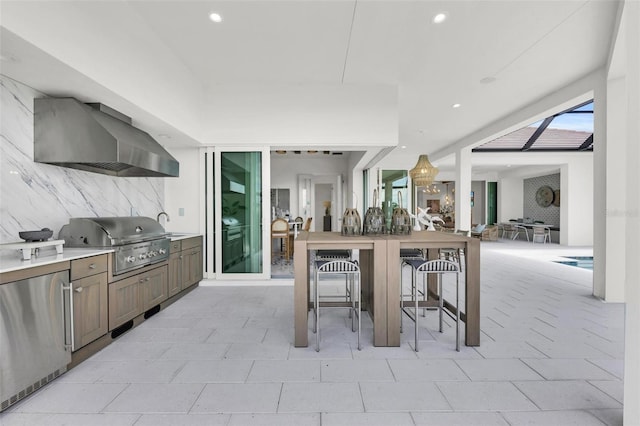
(424, 218)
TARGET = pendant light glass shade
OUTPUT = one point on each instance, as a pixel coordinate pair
(423, 173)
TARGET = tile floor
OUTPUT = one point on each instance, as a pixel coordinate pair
(550, 354)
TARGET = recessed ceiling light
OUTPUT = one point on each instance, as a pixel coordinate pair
(488, 80)
(215, 17)
(508, 165)
(456, 106)
(440, 18)
(403, 147)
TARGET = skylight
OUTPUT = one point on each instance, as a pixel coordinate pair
(570, 130)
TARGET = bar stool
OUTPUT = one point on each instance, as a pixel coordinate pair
(335, 254)
(423, 268)
(352, 271)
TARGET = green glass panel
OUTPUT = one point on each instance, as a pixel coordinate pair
(241, 212)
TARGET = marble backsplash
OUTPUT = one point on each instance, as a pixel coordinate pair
(35, 195)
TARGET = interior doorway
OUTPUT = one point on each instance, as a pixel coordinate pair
(323, 207)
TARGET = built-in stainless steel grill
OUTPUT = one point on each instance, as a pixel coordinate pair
(137, 241)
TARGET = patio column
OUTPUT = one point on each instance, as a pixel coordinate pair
(632, 280)
(463, 189)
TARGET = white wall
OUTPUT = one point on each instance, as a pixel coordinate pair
(510, 198)
(183, 194)
(611, 288)
(576, 207)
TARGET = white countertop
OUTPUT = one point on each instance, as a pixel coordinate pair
(12, 260)
(175, 236)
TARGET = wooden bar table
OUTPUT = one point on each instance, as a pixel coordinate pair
(380, 274)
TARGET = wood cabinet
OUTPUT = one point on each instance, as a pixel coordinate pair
(191, 261)
(134, 295)
(185, 264)
(89, 292)
(153, 288)
(124, 301)
(175, 273)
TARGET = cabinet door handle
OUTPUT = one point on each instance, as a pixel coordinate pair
(146, 279)
(180, 257)
(141, 280)
(92, 266)
(78, 290)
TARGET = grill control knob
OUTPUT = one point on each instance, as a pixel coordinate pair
(142, 256)
(152, 254)
(162, 251)
(130, 259)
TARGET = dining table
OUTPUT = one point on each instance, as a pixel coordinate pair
(380, 265)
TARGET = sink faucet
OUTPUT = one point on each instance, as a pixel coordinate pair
(163, 213)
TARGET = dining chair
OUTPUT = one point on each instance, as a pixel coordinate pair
(280, 233)
(541, 233)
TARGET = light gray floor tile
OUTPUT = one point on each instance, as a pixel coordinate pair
(156, 398)
(285, 371)
(195, 351)
(508, 350)
(238, 398)
(566, 395)
(279, 419)
(367, 419)
(223, 322)
(49, 419)
(567, 350)
(71, 398)
(157, 321)
(319, 397)
(485, 396)
(441, 349)
(613, 388)
(404, 351)
(426, 370)
(257, 351)
(546, 418)
(183, 420)
(222, 371)
(89, 371)
(143, 371)
(612, 366)
(279, 336)
(125, 351)
(459, 419)
(171, 335)
(349, 370)
(334, 351)
(567, 369)
(237, 335)
(409, 396)
(497, 369)
(609, 416)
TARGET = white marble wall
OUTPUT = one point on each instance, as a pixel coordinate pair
(35, 195)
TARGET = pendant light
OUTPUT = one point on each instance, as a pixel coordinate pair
(424, 172)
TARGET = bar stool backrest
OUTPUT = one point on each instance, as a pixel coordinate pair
(438, 265)
(337, 266)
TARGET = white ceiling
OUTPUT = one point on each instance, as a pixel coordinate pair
(167, 65)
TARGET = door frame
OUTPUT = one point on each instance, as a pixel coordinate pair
(213, 191)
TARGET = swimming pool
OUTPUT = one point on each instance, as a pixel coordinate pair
(585, 262)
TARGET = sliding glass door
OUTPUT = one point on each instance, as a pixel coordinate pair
(236, 212)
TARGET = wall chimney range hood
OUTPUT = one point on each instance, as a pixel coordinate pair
(96, 138)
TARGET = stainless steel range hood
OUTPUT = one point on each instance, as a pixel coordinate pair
(96, 138)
